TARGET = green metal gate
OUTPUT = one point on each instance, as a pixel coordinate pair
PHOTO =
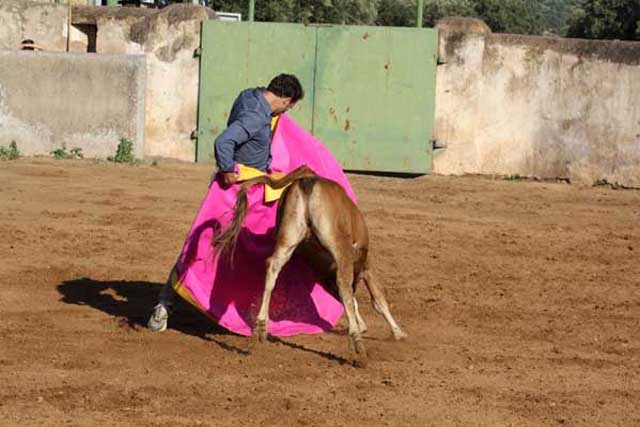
(369, 91)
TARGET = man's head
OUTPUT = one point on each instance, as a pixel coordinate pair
(287, 90)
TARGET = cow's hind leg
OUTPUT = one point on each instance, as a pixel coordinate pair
(344, 278)
(160, 316)
(361, 324)
(381, 305)
(344, 282)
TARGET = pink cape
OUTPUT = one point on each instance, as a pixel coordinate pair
(232, 296)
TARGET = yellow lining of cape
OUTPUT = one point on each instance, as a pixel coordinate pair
(179, 288)
(270, 194)
(246, 172)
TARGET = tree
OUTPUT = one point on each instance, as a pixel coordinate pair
(396, 13)
(510, 16)
(606, 19)
(344, 11)
(555, 15)
(306, 11)
(437, 9)
(231, 6)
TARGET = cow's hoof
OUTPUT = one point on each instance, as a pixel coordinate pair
(361, 361)
(363, 328)
(399, 335)
(361, 354)
(260, 332)
(159, 319)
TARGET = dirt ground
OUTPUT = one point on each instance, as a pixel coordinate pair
(521, 299)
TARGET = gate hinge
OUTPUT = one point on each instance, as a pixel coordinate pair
(194, 134)
(197, 53)
(438, 145)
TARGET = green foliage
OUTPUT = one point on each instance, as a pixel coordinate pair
(10, 153)
(361, 12)
(555, 15)
(63, 154)
(606, 19)
(437, 9)
(124, 152)
(308, 11)
(578, 18)
(396, 13)
(509, 16)
(515, 177)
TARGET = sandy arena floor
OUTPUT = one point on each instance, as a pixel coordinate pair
(521, 299)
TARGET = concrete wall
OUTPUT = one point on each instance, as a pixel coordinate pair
(44, 23)
(537, 106)
(168, 38)
(80, 100)
(505, 104)
(71, 2)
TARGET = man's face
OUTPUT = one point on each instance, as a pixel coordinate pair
(283, 105)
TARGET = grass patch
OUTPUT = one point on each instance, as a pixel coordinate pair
(124, 153)
(515, 177)
(9, 153)
(63, 154)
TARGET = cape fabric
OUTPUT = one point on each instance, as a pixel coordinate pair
(231, 293)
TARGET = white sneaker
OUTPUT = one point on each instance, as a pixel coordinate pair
(159, 317)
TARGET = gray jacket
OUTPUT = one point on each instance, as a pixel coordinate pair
(247, 138)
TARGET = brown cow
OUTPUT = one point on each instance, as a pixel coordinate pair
(316, 216)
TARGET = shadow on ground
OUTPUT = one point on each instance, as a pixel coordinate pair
(133, 302)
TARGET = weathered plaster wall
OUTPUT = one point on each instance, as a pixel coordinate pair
(168, 38)
(44, 23)
(48, 100)
(537, 106)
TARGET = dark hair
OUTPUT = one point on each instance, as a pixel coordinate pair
(286, 86)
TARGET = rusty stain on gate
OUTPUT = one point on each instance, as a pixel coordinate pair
(370, 91)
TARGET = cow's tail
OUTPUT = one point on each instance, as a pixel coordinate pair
(224, 243)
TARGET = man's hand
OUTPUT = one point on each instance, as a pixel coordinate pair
(229, 178)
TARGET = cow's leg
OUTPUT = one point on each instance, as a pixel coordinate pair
(344, 278)
(361, 324)
(293, 228)
(160, 315)
(357, 278)
(381, 305)
(274, 265)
